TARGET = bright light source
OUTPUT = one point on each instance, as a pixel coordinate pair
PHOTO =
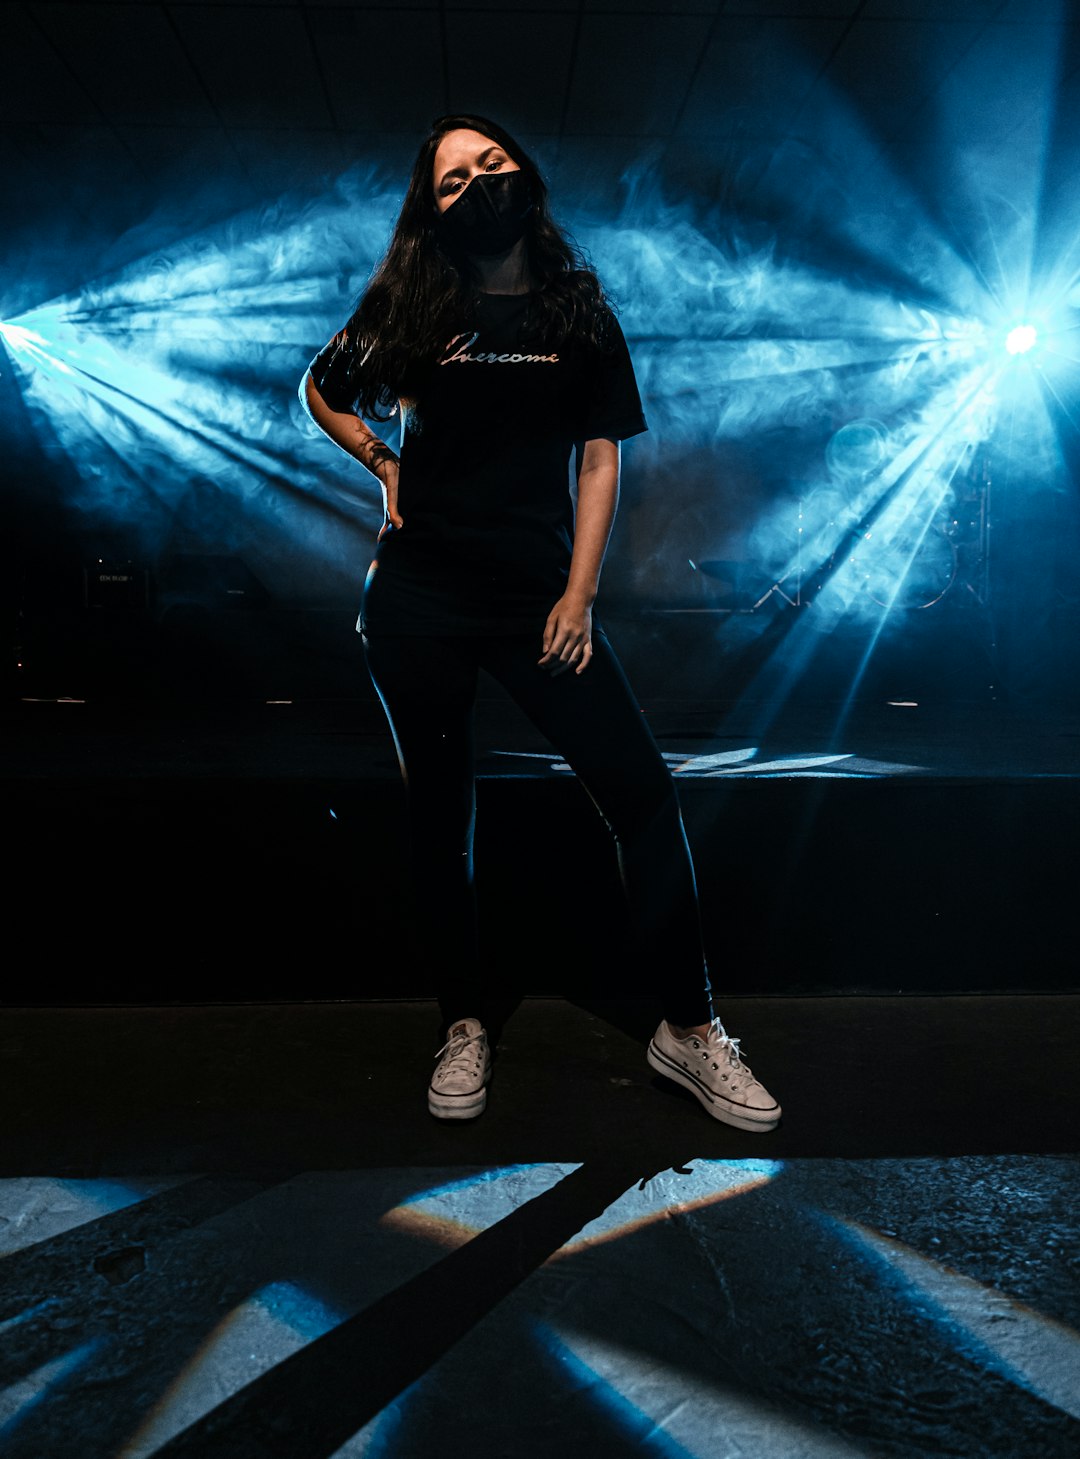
(17, 337)
(1019, 340)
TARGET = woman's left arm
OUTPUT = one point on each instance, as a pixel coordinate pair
(568, 632)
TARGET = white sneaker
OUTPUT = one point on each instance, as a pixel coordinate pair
(710, 1067)
(458, 1086)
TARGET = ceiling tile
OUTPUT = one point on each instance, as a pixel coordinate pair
(359, 56)
(632, 72)
(940, 9)
(128, 59)
(795, 9)
(661, 9)
(890, 68)
(256, 63)
(38, 81)
(757, 72)
(493, 70)
(570, 6)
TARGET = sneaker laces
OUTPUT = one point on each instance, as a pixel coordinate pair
(456, 1051)
(718, 1040)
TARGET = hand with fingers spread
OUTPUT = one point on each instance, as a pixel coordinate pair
(567, 639)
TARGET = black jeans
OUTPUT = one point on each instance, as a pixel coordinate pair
(428, 688)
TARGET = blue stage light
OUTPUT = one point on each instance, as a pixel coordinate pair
(1021, 339)
(169, 388)
(16, 337)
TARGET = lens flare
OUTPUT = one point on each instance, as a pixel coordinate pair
(1021, 339)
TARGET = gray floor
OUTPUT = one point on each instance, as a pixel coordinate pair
(236, 1231)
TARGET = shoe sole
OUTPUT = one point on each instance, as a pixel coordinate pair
(457, 1107)
(720, 1110)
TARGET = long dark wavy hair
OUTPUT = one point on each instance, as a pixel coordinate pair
(418, 297)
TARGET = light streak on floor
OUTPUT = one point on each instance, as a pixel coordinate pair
(671, 1415)
(454, 1214)
(256, 1335)
(35, 1208)
(1030, 1349)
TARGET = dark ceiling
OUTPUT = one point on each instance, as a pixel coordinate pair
(112, 110)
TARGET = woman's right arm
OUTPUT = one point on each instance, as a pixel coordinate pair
(349, 432)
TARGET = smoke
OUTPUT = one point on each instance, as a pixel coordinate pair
(818, 381)
(855, 376)
(176, 377)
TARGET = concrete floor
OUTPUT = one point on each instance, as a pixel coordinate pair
(235, 1231)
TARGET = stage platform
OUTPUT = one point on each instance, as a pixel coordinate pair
(232, 847)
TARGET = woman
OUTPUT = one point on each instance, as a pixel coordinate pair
(485, 330)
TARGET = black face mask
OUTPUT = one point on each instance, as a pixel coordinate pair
(489, 216)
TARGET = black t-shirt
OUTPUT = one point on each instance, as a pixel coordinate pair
(483, 488)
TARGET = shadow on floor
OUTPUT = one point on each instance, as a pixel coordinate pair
(652, 1281)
